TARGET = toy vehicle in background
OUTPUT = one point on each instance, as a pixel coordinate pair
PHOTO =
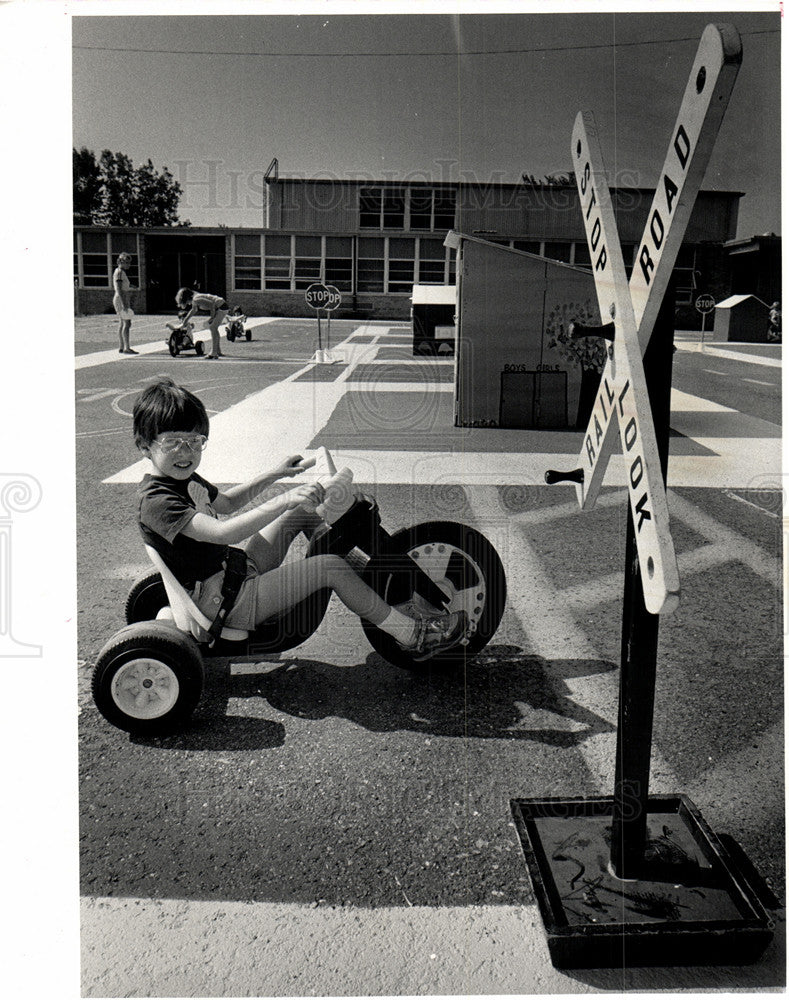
(234, 326)
(181, 339)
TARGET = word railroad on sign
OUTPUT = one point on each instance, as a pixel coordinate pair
(633, 308)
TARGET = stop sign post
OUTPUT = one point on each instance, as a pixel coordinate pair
(320, 296)
(705, 304)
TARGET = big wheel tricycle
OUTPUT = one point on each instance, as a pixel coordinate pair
(148, 678)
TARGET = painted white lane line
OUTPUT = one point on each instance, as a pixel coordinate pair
(105, 357)
(279, 420)
(750, 503)
(758, 381)
(551, 630)
(750, 359)
(686, 402)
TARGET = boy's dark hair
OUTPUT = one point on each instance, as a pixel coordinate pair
(165, 406)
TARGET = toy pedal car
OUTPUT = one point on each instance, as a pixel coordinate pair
(234, 326)
(181, 339)
(148, 678)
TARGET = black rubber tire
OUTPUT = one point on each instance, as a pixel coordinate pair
(146, 599)
(148, 679)
(248, 335)
(172, 345)
(199, 348)
(474, 564)
(231, 334)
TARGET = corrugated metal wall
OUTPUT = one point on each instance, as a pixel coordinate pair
(325, 206)
(332, 206)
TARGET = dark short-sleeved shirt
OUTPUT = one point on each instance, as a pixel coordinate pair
(166, 506)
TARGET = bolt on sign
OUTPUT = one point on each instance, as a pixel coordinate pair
(703, 105)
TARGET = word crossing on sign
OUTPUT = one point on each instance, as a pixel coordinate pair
(321, 296)
(624, 390)
(706, 96)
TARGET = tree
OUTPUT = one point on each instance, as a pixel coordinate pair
(87, 184)
(112, 192)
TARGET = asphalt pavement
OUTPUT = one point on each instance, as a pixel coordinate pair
(332, 825)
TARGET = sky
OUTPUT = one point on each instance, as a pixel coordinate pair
(435, 96)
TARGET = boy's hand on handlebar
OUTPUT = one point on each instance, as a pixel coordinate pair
(293, 465)
(308, 495)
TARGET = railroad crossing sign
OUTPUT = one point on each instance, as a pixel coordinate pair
(703, 105)
(633, 309)
(594, 910)
(624, 393)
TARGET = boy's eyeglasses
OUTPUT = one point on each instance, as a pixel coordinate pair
(195, 442)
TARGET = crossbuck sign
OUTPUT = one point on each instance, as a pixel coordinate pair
(623, 397)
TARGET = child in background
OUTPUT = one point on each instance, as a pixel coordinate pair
(178, 516)
(216, 307)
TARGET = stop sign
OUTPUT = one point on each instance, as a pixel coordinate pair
(705, 303)
(321, 296)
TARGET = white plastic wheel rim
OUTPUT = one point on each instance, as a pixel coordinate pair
(434, 558)
(145, 688)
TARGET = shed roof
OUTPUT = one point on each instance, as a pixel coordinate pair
(434, 295)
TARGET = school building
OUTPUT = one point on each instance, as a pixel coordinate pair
(375, 240)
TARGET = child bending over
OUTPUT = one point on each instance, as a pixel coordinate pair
(191, 301)
(178, 516)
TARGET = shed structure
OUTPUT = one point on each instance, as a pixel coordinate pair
(515, 365)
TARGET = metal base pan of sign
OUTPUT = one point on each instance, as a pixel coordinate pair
(692, 904)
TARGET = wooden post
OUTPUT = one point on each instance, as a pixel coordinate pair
(640, 636)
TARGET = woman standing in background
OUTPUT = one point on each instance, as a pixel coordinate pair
(122, 303)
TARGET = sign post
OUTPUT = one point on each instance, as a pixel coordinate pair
(705, 304)
(633, 879)
(320, 296)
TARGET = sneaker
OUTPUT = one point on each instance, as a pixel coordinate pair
(437, 634)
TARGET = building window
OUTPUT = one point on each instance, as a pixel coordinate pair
(443, 209)
(307, 266)
(95, 260)
(247, 262)
(127, 243)
(394, 208)
(432, 261)
(371, 264)
(530, 246)
(558, 251)
(685, 274)
(432, 209)
(582, 258)
(370, 208)
(401, 265)
(277, 267)
(339, 262)
(382, 208)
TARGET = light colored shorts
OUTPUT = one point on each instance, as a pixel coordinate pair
(207, 595)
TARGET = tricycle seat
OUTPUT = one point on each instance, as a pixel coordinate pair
(182, 609)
